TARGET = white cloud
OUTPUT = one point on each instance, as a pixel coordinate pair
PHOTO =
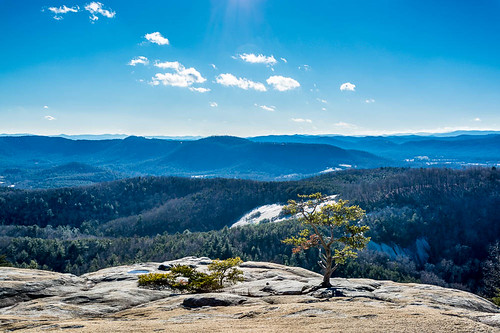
(258, 59)
(49, 118)
(342, 124)
(214, 104)
(348, 86)
(63, 10)
(284, 60)
(200, 90)
(323, 109)
(175, 65)
(322, 100)
(369, 101)
(270, 108)
(139, 60)
(300, 120)
(182, 76)
(157, 38)
(45, 106)
(282, 83)
(477, 119)
(172, 79)
(229, 80)
(305, 67)
(213, 66)
(96, 8)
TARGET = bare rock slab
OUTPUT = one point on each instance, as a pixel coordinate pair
(32, 297)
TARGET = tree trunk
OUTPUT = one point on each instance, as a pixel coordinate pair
(328, 270)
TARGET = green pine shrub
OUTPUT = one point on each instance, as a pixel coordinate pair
(188, 279)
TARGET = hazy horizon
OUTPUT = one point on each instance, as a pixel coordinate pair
(195, 137)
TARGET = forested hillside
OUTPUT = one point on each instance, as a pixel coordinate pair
(429, 225)
(142, 206)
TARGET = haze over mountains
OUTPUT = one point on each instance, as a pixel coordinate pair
(39, 161)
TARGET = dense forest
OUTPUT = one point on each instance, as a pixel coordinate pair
(434, 226)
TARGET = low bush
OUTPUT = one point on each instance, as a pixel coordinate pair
(4, 262)
(186, 278)
(156, 279)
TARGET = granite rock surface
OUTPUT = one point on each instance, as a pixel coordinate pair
(271, 295)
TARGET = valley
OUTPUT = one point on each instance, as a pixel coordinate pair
(426, 225)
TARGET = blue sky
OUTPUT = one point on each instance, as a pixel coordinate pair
(248, 67)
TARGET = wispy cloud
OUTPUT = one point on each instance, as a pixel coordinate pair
(181, 76)
(96, 8)
(348, 86)
(301, 120)
(342, 124)
(50, 118)
(284, 60)
(282, 83)
(258, 58)
(369, 101)
(45, 106)
(324, 101)
(477, 119)
(214, 104)
(270, 108)
(323, 109)
(58, 11)
(304, 67)
(229, 80)
(200, 89)
(156, 38)
(139, 60)
(213, 66)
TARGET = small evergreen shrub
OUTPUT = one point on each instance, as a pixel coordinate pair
(496, 299)
(156, 279)
(4, 262)
(186, 278)
(226, 271)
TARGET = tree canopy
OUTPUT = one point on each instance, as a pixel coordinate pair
(333, 227)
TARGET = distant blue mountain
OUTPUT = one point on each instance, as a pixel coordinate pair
(39, 161)
(110, 136)
(463, 149)
(24, 160)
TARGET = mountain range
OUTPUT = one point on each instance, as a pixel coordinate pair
(41, 161)
(28, 161)
(459, 149)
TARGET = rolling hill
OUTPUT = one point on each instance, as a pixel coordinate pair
(458, 150)
(24, 159)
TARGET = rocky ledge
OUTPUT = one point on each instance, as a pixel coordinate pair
(272, 298)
